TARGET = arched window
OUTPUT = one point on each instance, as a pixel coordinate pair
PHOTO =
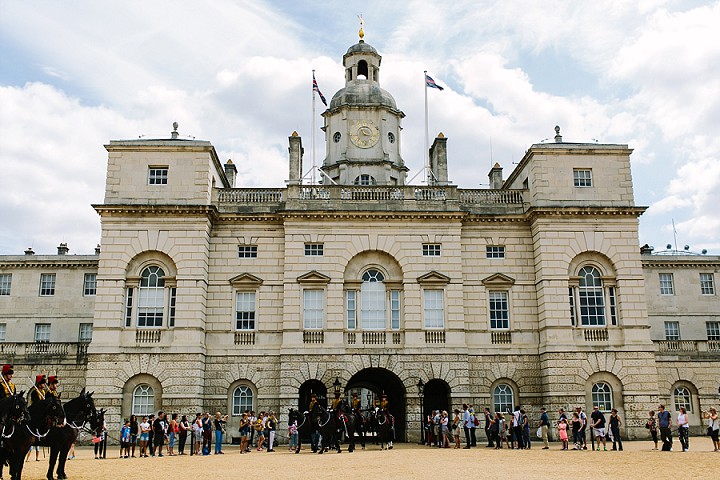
(242, 400)
(364, 179)
(151, 297)
(503, 397)
(602, 396)
(683, 398)
(594, 298)
(372, 301)
(362, 69)
(143, 400)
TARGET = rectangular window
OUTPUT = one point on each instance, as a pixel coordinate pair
(313, 306)
(431, 249)
(42, 332)
(666, 284)
(151, 306)
(3, 330)
(571, 292)
(351, 309)
(395, 309)
(47, 284)
(128, 306)
(713, 330)
(171, 313)
(85, 333)
(494, 251)
(157, 176)
(5, 283)
(245, 311)
(499, 311)
(247, 251)
(672, 331)
(582, 177)
(613, 306)
(313, 249)
(434, 309)
(707, 284)
(90, 284)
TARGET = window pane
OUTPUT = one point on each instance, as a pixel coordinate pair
(313, 249)
(713, 330)
(350, 296)
(157, 176)
(434, 309)
(47, 284)
(682, 399)
(313, 304)
(395, 309)
(42, 332)
(143, 400)
(151, 297)
(5, 283)
(431, 249)
(602, 396)
(582, 177)
(90, 284)
(245, 311)
(372, 305)
(666, 284)
(247, 251)
(242, 400)
(85, 333)
(3, 331)
(672, 330)
(494, 251)
(503, 398)
(499, 311)
(707, 284)
(592, 301)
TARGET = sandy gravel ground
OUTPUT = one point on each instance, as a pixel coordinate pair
(405, 461)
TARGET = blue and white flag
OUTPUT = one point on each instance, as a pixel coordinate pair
(317, 89)
(429, 82)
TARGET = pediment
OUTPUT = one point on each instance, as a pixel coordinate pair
(434, 278)
(498, 280)
(246, 280)
(313, 276)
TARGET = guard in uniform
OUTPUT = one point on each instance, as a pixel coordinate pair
(336, 401)
(313, 402)
(356, 403)
(385, 408)
(314, 435)
(40, 389)
(53, 383)
(8, 388)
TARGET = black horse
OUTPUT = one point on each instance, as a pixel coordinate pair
(326, 423)
(13, 414)
(382, 423)
(347, 423)
(42, 416)
(304, 427)
(78, 411)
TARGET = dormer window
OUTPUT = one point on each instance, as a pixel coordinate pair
(364, 179)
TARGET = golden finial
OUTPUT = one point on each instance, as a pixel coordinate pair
(294, 134)
(440, 135)
(361, 33)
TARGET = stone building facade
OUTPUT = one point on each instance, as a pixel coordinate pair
(210, 297)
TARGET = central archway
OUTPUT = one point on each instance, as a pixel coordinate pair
(371, 383)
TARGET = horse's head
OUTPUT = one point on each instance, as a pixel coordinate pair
(55, 410)
(18, 408)
(317, 409)
(81, 409)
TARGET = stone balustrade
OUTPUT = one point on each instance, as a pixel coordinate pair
(43, 352)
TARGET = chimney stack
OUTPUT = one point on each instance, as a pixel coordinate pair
(438, 161)
(496, 178)
(296, 153)
(63, 249)
(231, 173)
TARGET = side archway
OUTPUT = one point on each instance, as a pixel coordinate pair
(142, 395)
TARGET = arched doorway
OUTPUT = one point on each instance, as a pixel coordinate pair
(308, 388)
(370, 383)
(436, 396)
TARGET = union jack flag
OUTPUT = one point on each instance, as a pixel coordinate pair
(317, 89)
(429, 82)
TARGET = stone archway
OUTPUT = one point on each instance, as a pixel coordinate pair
(308, 388)
(376, 381)
(436, 397)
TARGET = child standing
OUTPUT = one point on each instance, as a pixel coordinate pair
(562, 430)
(125, 440)
(293, 434)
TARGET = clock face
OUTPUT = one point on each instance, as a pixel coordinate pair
(364, 133)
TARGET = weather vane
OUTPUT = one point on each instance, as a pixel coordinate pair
(361, 33)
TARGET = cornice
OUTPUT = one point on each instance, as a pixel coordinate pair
(369, 215)
(49, 263)
(168, 210)
(534, 213)
(680, 262)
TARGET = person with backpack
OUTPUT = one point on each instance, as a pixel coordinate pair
(517, 429)
(467, 419)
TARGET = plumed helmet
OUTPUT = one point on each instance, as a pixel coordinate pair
(52, 379)
(40, 379)
(7, 369)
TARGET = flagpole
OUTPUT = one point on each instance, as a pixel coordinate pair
(426, 155)
(312, 138)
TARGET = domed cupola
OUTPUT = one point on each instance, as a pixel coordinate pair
(362, 125)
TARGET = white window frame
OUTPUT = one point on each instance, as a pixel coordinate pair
(582, 177)
(5, 284)
(667, 284)
(713, 330)
(672, 331)
(245, 307)
(433, 309)
(47, 284)
(85, 332)
(42, 332)
(143, 400)
(431, 249)
(240, 397)
(682, 397)
(313, 309)
(591, 298)
(494, 251)
(157, 175)
(707, 284)
(314, 249)
(3, 331)
(152, 298)
(500, 396)
(90, 285)
(602, 396)
(247, 251)
(499, 309)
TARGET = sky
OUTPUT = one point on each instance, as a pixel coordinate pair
(76, 74)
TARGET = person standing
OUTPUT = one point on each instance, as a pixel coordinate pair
(151, 436)
(219, 424)
(271, 425)
(683, 429)
(544, 425)
(466, 425)
(598, 427)
(245, 427)
(576, 423)
(159, 432)
(526, 429)
(583, 427)
(615, 424)
(197, 433)
(489, 421)
(713, 427)
(562, 433)
(665, 422)
(183, 429)
(651, 425)
(473, 425)
(517, 429)
(172, 430)
(144, 436)
(133, 434)
(457, 421)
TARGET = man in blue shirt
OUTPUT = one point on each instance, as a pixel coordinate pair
(466, 425)
(544, 424)
(665, 422)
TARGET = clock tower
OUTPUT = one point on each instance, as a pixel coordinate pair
(362, 126)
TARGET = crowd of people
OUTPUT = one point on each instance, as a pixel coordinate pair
(152, 435)
(513, 428)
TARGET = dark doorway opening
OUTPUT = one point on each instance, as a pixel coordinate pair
(436, 397)
(376, 381)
